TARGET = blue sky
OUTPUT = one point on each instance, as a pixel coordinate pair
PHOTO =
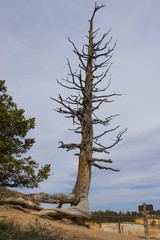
(34, 49)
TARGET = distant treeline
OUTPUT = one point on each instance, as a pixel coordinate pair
(111, 216)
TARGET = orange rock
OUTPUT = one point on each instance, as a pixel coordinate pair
(93, 226)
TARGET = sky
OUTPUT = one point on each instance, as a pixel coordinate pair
(34, 49)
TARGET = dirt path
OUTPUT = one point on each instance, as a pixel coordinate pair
(80, 233)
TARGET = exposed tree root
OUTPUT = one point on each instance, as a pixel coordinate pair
(32, 201)
(20, 201)
(80, 211)
(13, 197)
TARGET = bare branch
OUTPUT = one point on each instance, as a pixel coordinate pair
(63, 85)
(105, 168)
(100, 102)
(72, 102)
(78, 54)
(73, 75)
(101, 65)
(71, 146)
(61, 101)
(98, 49)
(98, 43)
(100, 160)
(103, 122)
(118, 138)
(95, 33)
(95, 10)
(100, 145)
(111, 130)
(96, 149)
(105, 54)
(102, 76)
(76, 130)
(106, 96)
(103, 148)
(62, 111)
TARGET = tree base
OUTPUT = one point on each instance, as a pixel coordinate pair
(32, 201)
(80, 211)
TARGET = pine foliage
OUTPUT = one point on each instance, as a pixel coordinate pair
(16, 170)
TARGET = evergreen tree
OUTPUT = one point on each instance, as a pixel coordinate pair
(16, 170)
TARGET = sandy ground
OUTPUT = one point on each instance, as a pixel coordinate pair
(80, 233)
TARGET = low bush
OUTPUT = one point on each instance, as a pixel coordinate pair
(10, 230)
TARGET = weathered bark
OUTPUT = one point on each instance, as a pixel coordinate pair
(80, 211)
(82, 186)
(21, 201)
(31, 202)
(13, 197)
(53, 198)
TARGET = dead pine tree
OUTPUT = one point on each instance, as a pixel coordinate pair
(81, 107)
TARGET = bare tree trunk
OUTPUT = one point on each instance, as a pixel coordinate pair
(82, 186)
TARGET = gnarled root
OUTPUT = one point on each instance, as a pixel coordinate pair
(79, 208)
(13, 197)
(80, 211)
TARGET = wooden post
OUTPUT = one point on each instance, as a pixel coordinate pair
(146, 227)
(119, 224)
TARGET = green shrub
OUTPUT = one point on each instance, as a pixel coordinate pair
(10, 230)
